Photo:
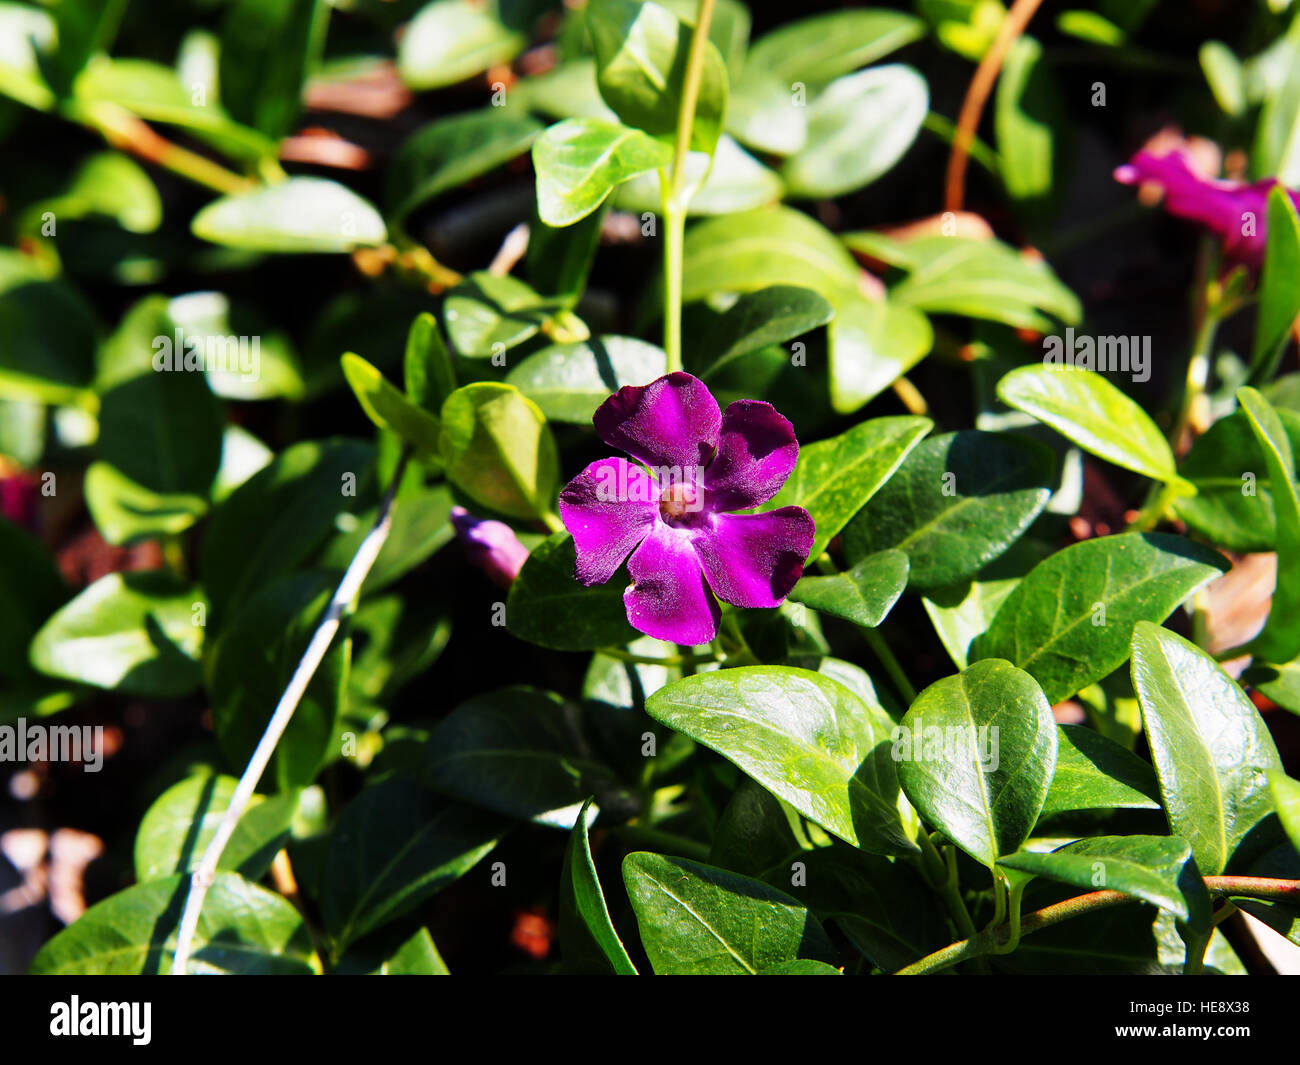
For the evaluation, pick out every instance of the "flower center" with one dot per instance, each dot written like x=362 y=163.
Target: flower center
x=680 y=500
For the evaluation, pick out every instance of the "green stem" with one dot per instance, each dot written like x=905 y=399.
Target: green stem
x=653 y=660
x=891 y=665
x=946 y=883
x=1198 y=367
x=674 y=238
x=1194 y=958
x=1013 y=917
x=1158 y=499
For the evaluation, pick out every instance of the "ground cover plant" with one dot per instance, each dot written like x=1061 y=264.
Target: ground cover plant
x=649 y=488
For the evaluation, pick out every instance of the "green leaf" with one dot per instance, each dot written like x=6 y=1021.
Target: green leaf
x=873 y=343
x=1028 y=112
x=977 y=756
x=695 y=919
x=520 y=751
x=31 y=589
x=1234 y=502
x=1276 y=151
x=251 y=665
x=268 y=49
x=1225 y=76
x=1279 y=640
x=247 y=357
x=559 y=259
x=1089 y=411
x=486 y=315
x=962 y=613
x=1211 y=749
x=451 y=40
x=1094 y=773
x=547 y=605
x=857 y=130
x=389 y=409
x=178 y=827
x=1070 y=621
x=1286 y=797
x=978 y=279
x=421 y=525
x=451 y=152
x=1156 y=869
x=392 y=847
x=834 y=478
x=587 y=937
x=299 y=215
x=641 y=57
x=106 y=185
x=957 y=502
x=138 y=633
x=580 y=160
x=243 y=929
x=499 y=450
x=730 y=180
x=863 y=595
x=47 y=334
x=802 y=967
x=1279 y=292
x=769 y=316
x=806 y=738
x=765 y=113
x=279 y=516
x=569 y=381
x=429 y=370
x=818 y=50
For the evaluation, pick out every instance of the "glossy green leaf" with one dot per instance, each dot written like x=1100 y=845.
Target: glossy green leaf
x=873 y=343
x=858 y=128
x=249 y=357
x=863 y=595
x=588 y=940
x=769 y=316
x=106 y=185
x=560 y=258
x=834 y=478
x=243 y=929
x=268 y=49
x=139 y=633
x=547 y=605
x=301 y=214
x=580 y=160
x=1029 y=116
x=569 y=381
x=729 y=181
x=977 y=756
x=962 y=613
x=451 y=152
x=1286 y=797
x=1070 y=621
x=420 y=526
x=819 y=49
x=429 y=371
x=1094 y=773
x=388 y=408
x=1279 y=640
x=957 y=502
x=766 y=113
x=641 y=56
x=1279 y=293
x=486 y=315
x=520 y=752
x=1156 y=869
x=1089 y=411
x=1211 y=749
x=180 y=824
x=499 y=450
x=695 y=919
x=392 y=847
x=251 y=665
x=806 y=738
x=451 y=40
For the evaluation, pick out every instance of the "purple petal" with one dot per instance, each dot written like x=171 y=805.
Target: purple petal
x=756 y=452
x=608 y=509
x=492 y=546
x=755 y=559
x=1221 y=206
x=670 y=422
x=668 y=598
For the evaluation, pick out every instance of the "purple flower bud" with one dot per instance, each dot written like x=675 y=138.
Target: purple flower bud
x=1236 y=212
x=674 y=514
x=492 y=546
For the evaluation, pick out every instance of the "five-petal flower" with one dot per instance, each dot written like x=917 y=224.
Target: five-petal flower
x=674 y=514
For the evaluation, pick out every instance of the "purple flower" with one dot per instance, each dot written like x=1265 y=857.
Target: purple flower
x=1233 y=210
x=492 y=546
x=700 y=464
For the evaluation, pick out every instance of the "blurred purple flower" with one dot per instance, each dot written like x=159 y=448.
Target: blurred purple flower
x=18 y=496
x=492 y=546
x=703 y=464
x=1235 y=211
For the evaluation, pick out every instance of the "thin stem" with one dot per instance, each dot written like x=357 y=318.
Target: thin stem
x=891 y=665
x=1194 y=956
x=652 y=660
x=340 y=605
x=996 y=940
x=691 y=92
x=1198 y=371
x=674 y=239
x=1013 y=917
x=946 y=883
